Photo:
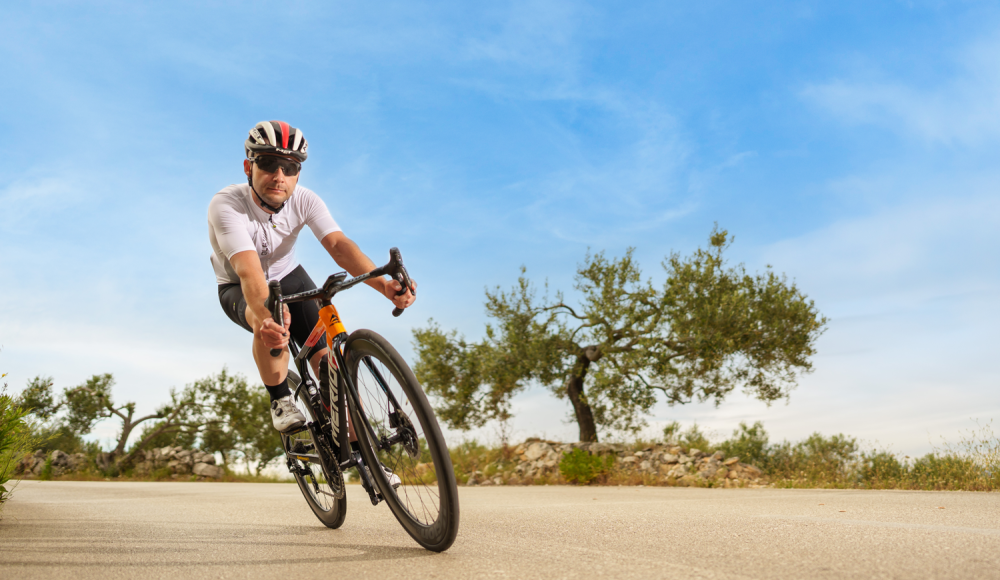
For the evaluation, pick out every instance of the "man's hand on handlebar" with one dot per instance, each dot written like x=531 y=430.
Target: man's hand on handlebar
x=273 y=335
x=392 y=288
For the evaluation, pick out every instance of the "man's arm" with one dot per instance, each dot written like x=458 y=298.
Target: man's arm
x=349 y=256
x=255 y=291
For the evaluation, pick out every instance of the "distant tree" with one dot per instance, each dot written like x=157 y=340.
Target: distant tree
x=86 y=404
x=240 y=425
x=38 y=399
x=91 y=402
x=709 y=329
x=152 y=436
x=49 y=430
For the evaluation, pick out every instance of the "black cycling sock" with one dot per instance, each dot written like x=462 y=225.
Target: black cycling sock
x=280 y=390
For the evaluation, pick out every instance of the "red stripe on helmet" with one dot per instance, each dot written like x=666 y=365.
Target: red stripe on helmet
x=284 y=133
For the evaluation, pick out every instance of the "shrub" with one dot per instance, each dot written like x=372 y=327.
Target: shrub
x=46 y=474
x=693 y=438
x=747 y=443
x=578 y=466
x=881 y=469
x=15 y=440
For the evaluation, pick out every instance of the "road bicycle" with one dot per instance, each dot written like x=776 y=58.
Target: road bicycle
x=368 y=412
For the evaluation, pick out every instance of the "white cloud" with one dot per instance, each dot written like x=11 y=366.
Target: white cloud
x=962 y=108
x=532 y=35
x=901 y=255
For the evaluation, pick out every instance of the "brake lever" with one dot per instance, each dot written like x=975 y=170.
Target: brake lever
x=400 y=275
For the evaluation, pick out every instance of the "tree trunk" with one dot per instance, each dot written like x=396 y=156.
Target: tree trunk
x=574 y=388
x=127 y=427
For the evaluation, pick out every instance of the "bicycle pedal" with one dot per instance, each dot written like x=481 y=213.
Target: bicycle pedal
x=300 y=447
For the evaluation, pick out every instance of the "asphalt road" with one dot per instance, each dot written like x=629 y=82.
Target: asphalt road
x=106 y=530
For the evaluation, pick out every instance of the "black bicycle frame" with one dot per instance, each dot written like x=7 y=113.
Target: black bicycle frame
x=323 y=431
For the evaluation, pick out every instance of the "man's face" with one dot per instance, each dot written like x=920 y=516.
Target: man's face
x=274 y=187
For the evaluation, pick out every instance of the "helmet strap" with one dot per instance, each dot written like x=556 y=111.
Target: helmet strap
x=259 y=198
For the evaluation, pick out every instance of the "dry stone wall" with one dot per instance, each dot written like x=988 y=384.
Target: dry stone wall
x=663 y=464
x=178 y=462
x=62 y=463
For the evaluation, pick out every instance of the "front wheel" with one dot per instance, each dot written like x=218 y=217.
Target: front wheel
x=405 y=438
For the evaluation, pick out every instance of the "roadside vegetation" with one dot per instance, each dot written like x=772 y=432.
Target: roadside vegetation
x=837 y=461
x=220 y=415
x=16 y=440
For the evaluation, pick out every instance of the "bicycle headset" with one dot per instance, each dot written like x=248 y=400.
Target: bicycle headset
x=273 y=137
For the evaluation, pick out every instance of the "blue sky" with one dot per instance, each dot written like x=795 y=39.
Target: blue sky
x=850 y=145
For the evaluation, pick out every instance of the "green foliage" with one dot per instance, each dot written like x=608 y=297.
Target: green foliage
x=15 y=439
x=56 y=435
x=470 y=456
x=837 y=461
x=37 y=398
x=161 y=474
x=817 y=459
x=237 y=419
x=88 y=403
x=671 y=431
x=709 y=329
x=220 y=413
x=46 y=474
x=747 y=443
x=60 y=422
x=92 y=401
x=882 y=466
x=693 y=438
x=578 y=466
x=155 y=434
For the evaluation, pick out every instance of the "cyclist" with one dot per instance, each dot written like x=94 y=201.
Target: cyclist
x=253 y=228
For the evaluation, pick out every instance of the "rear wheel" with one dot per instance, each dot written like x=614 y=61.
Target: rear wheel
x=407 y=441
x=314 y=482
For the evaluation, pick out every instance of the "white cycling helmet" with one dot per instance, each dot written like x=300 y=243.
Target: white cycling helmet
x=276 y=138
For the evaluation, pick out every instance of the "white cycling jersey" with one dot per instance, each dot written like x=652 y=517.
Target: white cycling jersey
x=236 y=224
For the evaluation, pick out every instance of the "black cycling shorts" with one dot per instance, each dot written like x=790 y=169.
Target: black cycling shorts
x=304 y=314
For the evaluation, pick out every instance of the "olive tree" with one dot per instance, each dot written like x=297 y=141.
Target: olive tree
x=236 y=418
x=240 y=421
x=626 y=343
x=84 y=405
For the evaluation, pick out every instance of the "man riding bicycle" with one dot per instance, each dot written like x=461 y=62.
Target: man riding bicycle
x=253 y=228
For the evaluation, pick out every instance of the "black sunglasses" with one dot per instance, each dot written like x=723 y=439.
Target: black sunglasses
x=270 y=164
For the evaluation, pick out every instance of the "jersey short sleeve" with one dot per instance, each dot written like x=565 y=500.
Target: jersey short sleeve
x=228 y=223
x=316 y=215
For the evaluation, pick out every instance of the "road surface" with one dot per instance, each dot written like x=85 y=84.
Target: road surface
x=108 y=530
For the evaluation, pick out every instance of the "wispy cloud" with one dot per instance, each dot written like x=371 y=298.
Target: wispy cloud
x=531 y=36
x=898 y=256
x=961 y=106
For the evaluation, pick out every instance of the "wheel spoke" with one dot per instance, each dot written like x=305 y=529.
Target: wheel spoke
x=418 y=492
x=404 y=438
x=304 y=454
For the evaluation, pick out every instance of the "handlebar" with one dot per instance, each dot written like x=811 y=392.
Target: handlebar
x=335 y=283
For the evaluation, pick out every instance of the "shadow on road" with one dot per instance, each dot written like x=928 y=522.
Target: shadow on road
x=70 y=543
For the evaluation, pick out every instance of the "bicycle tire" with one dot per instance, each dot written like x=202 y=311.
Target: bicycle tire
x=314 y=487
x=426 y=504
